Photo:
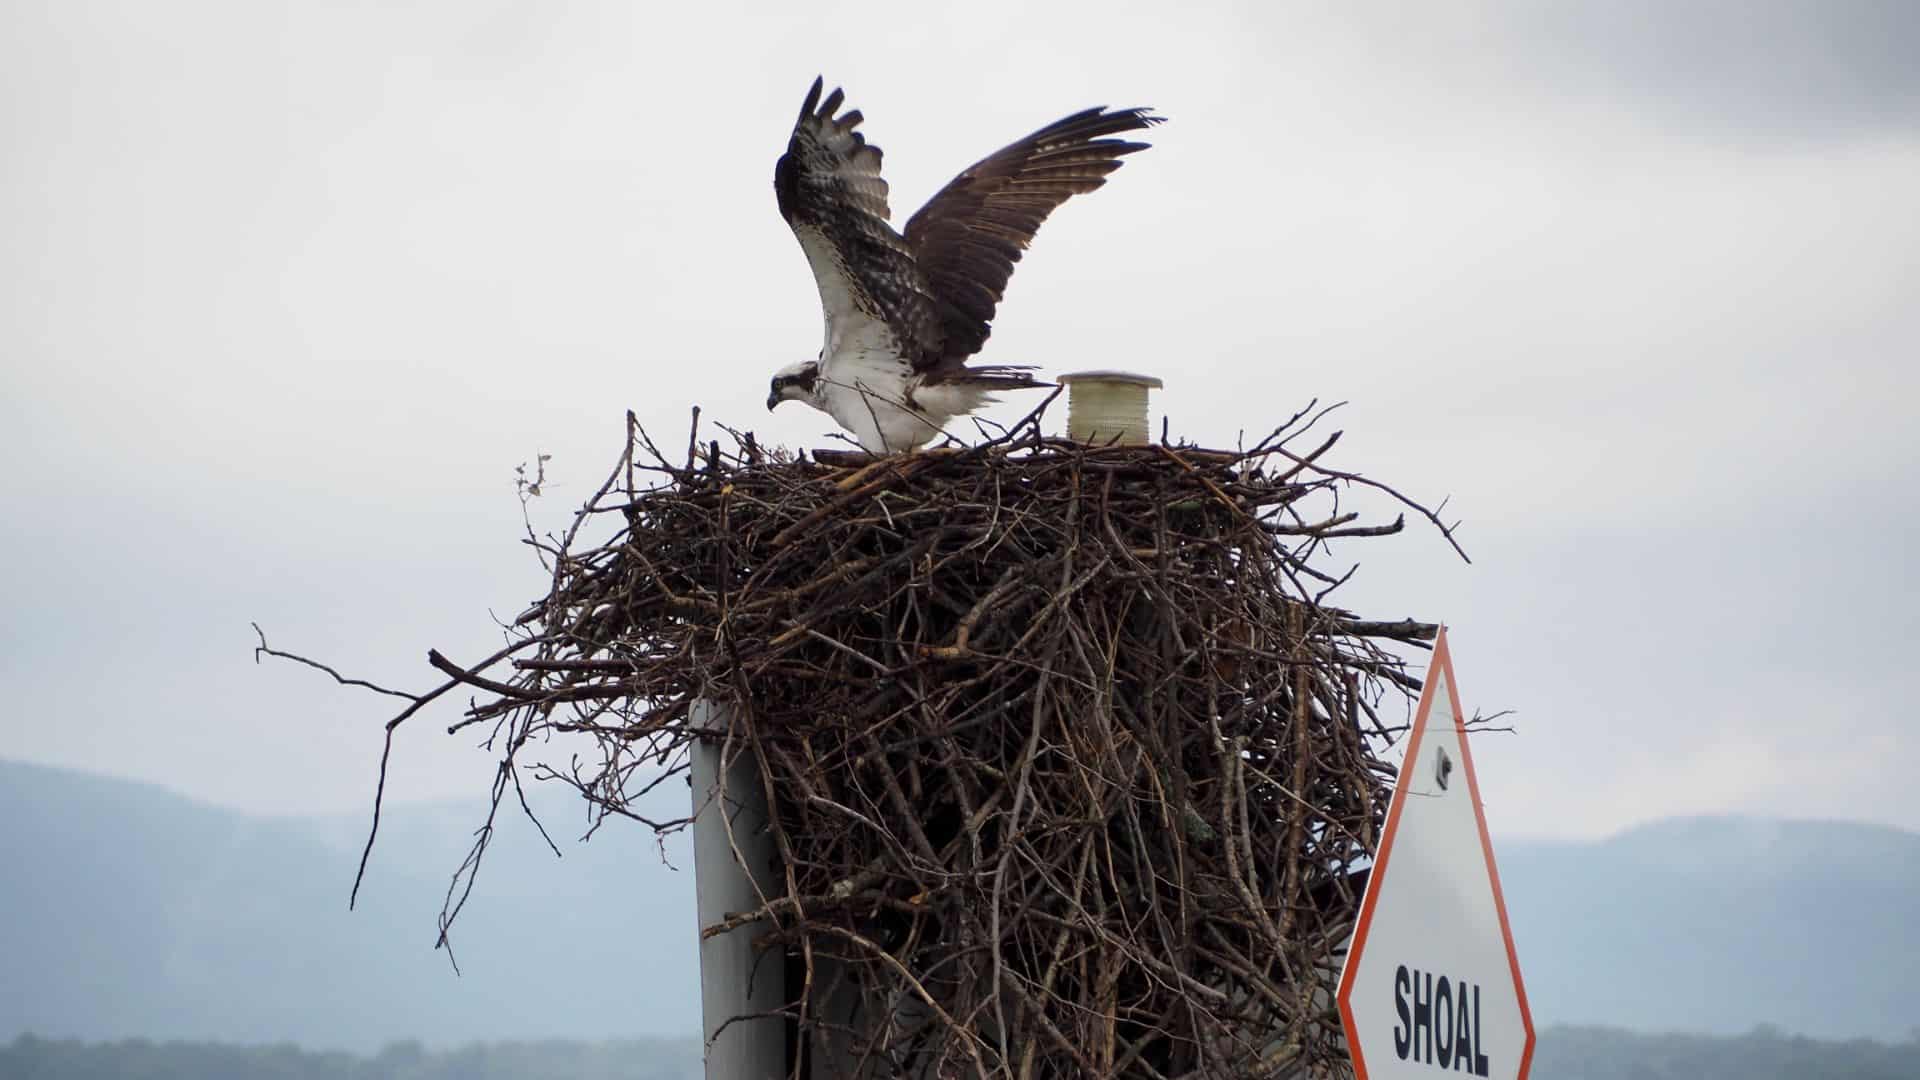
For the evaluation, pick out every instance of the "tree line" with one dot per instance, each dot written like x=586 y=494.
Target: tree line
x=1563 y=1053
x=31 y=1058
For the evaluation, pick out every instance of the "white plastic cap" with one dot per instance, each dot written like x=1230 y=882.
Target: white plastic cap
x=1108 y=408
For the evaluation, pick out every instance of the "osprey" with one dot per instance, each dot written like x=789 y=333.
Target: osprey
x=905 y=311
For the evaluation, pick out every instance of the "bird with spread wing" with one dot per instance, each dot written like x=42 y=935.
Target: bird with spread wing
x=904 y=311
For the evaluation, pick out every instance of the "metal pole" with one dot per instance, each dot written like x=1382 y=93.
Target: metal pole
x=735 y=979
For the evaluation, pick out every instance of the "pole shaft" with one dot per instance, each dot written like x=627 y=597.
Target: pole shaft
x=735 y=979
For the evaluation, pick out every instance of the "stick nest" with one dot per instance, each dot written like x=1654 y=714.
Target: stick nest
x=1069 y=760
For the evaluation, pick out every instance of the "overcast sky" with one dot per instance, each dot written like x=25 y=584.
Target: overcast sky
x=287 y=290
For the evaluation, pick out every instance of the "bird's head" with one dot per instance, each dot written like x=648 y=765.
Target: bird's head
x=793 y=383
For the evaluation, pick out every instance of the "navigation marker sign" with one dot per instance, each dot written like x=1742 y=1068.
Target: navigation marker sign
x=1431 y=983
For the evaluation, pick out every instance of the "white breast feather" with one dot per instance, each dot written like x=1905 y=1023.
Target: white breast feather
x=864 y=382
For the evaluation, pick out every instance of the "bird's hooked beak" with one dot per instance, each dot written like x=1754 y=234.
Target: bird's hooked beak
x=773 y=399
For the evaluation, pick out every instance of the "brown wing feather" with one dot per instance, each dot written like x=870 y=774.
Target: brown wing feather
x=828 y=183
x=967 y=238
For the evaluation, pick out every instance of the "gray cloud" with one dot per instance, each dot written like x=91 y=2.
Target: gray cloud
x=290 y=289
x=1758 y=68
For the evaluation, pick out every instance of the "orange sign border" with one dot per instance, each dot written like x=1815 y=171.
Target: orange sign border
x=1442 y=662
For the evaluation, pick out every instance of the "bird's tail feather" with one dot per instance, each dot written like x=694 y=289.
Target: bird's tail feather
x=996 y=377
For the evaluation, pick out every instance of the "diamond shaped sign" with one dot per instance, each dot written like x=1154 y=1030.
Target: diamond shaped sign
x=1432 y=984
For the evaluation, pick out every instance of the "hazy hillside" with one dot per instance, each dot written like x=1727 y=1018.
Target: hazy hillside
x=1716 y=924
x=129 y=911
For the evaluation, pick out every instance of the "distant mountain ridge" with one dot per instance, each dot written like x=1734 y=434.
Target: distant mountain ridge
x=1716 y=924
x=129 y=911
